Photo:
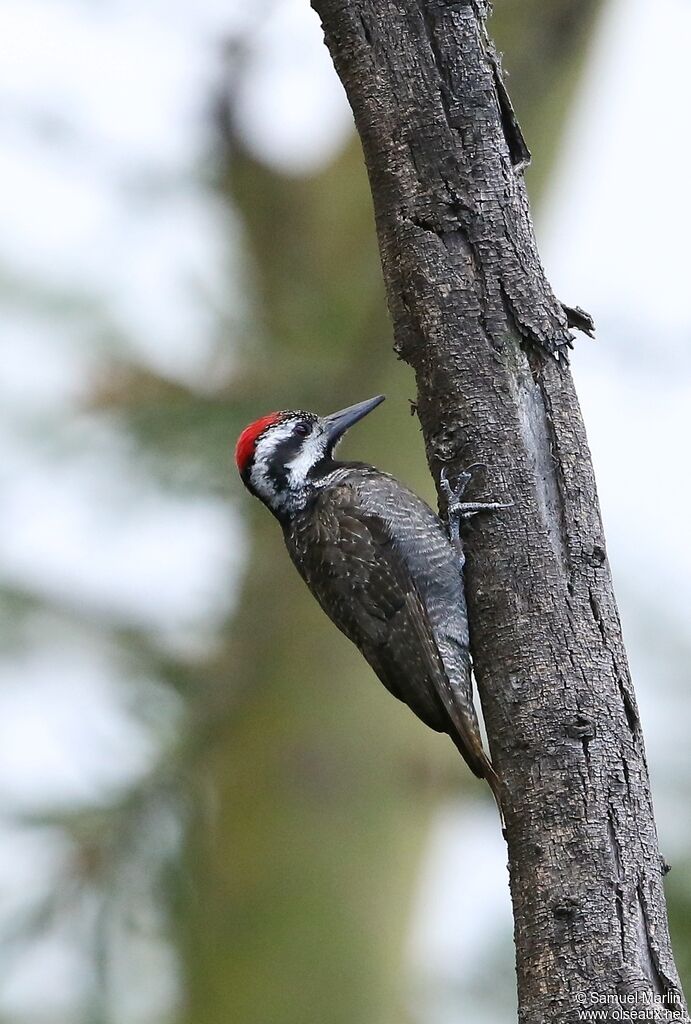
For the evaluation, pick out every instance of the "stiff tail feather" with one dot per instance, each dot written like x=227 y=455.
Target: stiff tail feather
x=482 y=767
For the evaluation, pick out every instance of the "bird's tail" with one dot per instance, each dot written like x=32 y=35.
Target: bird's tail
x=495 y=784
x=480 y=765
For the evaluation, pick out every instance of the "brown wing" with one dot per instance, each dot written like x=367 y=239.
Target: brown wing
x=349 y=558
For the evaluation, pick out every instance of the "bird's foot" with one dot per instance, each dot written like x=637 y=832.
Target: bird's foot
x=456 y=510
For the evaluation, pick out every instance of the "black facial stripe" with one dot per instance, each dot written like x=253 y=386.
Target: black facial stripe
x=282 y=454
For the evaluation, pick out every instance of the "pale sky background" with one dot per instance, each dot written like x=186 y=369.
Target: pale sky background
x=103 y=141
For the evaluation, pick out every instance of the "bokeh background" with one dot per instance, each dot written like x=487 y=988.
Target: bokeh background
x=210 y=811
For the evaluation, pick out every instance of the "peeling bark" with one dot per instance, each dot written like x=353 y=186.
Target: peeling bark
x=475 y=317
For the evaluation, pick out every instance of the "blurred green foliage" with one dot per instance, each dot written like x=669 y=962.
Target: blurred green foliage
x=305 y=792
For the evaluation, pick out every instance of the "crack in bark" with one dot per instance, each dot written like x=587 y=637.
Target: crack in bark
x=630 y=709
x=597 y=616
x=583 y=729
x=614 y=844
x=515 y=140
x=619 y=909
x=366 y=30
x=667 y=987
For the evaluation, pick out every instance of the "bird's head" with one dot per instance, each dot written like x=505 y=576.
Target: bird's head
x=285 y=456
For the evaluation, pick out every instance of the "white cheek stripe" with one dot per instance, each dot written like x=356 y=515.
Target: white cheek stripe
x=312 y=450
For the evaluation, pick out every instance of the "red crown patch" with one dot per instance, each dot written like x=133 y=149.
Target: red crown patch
x=244 y=449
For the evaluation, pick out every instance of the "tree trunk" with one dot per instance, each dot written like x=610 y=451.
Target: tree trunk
x=476 y=319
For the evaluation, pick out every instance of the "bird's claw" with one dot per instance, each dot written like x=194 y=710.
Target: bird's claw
x=454 y=493
x=457 y=509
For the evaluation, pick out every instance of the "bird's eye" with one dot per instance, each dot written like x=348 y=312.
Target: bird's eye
x=303 y=430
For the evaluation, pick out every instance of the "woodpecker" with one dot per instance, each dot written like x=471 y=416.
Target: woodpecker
x=379 y=562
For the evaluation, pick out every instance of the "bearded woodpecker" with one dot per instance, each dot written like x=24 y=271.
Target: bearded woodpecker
x=379 y=562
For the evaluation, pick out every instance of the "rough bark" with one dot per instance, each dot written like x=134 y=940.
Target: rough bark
x=475 y=317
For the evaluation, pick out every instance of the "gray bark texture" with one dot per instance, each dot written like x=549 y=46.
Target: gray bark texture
x=475 y=317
